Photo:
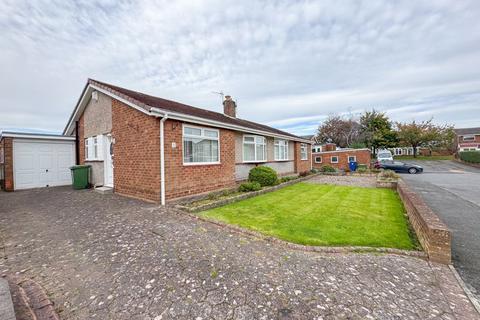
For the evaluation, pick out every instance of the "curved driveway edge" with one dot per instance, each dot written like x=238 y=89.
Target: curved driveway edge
x=109 y=257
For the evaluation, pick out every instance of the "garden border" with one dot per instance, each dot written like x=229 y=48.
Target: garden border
x=244 y=196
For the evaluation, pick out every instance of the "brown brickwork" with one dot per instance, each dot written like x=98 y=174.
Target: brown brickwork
x=362 y=157
x=183 y=180
x=302 y=165
x=136 y=157
x=432 y=233
x=7 y=145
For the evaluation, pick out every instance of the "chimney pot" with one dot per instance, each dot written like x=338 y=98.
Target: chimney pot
x=229 y=107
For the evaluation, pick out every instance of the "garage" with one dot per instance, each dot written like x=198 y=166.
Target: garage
x=35 y=160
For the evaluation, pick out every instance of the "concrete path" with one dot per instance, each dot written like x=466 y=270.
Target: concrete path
x=108 y=257
x=452 y=190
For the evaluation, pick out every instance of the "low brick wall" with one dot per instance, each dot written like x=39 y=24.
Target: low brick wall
x=432 y=233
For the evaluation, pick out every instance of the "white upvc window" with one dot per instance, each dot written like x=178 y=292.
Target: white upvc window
x=334 y=159
x=93 y=148
x=317 y=149
x=469 y=138
x=303 y=151
x=87 y=148
x=200 y=145
x=281 y=150
x=352 y=158
x=318 y=159
x=254 y=148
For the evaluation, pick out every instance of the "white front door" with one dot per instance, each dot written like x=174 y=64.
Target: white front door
x=108 y=163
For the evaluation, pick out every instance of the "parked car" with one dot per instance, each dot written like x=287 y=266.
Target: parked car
x=397 y=166
x=384 y=155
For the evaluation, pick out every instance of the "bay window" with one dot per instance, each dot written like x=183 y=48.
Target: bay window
x=303 y=151
x=281 y=149
x=200 y=145
x=254 y=149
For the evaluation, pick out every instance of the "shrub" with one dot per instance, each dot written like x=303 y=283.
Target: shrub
x=303 y=174
x=249 y=186
x=314 y=170
x=362 y=170
x=286 y=179
x=375 y=170
x=327 y=168
x=470 y=156
x=265 y=176
x=388 y=174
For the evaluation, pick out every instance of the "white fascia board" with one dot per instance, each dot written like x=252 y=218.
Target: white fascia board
x=35 y=136
x=86 y=98
x=341 y=151
x=157 y=112
x=183 y=117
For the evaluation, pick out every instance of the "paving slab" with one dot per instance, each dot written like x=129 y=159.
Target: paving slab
x=109 y=257
x=6 y=306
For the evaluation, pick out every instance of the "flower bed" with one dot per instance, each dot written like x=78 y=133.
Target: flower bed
x=218 y=199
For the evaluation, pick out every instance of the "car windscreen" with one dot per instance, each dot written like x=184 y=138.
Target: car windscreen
x=384 y=155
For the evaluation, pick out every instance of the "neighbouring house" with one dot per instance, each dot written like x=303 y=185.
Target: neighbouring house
x=403 y=151
x=329 y=154
x=32 y=160
x=156 y=149
x=467 y=139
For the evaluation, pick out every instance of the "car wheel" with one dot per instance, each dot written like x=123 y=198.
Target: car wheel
x=412 y=170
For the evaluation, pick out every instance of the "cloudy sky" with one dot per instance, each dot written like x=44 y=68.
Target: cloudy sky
x=287 y=63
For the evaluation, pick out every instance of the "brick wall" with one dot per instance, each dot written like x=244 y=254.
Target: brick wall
x=362 y=156
x=183 y=180
x=302 y=165
x=7 y=145
x=136 y=157
x=432 y=233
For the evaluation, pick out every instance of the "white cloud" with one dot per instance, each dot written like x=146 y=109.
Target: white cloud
x=287 y=63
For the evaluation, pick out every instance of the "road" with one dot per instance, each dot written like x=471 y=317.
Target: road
x=452 y=190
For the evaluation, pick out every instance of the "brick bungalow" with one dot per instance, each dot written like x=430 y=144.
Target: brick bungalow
x=156 y=149
x=328 y=154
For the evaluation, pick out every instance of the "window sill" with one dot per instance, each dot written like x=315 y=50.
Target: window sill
x=93 y=160
x=253 y=162
x=193 y=164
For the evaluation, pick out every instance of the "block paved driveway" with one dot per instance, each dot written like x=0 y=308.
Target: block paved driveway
x=109 y=257
x=452 y=190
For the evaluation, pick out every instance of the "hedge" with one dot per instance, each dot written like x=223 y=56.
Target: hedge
x=470 y=156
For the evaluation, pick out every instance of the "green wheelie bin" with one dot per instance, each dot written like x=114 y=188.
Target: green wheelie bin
x=80 y=176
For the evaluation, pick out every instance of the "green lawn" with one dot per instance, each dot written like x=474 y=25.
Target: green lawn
x=331 y=215
x=420 y=158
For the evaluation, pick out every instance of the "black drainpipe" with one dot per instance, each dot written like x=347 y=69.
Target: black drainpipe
x=77 y=145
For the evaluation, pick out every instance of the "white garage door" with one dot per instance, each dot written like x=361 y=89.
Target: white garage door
x=42 y=163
